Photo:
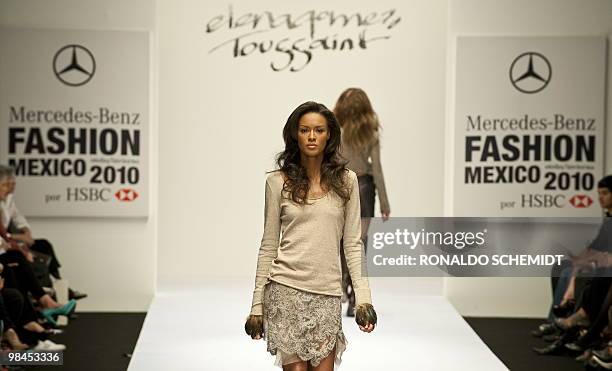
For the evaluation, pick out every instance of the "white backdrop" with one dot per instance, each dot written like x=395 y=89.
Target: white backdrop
x=221 y=120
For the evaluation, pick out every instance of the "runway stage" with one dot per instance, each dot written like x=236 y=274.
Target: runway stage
x=201 y=327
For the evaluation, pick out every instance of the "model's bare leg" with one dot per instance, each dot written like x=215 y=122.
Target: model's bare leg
x=296 y=366
x=327 y=363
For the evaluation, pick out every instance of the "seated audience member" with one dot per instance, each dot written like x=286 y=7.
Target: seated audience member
x=20 y=322
x=584 y=329
x=567 y=285
x=19 y=230
x=18 y=271
x=7 y=297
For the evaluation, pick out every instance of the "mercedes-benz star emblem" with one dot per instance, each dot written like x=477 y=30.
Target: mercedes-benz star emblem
x=530 y=72
x=74 y=65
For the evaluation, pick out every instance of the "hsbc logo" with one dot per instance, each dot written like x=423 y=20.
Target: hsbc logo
x=581 y=201
x=126 y=195
x=542 y=200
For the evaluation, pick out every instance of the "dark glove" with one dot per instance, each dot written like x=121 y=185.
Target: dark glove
x=365 y=314
x=254 y=326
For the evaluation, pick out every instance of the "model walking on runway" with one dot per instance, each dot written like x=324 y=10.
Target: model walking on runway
x=361 y=147
x=311 y=205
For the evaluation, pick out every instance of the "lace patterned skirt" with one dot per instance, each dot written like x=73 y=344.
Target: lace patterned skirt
x=302 y=326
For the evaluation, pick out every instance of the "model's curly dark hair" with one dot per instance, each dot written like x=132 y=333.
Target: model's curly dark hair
x=333 y=167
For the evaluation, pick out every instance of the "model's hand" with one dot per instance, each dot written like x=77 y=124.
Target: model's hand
x=254 y=326
x=385 y=214
x=365 y=316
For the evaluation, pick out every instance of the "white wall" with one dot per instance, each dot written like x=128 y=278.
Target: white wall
x=113 y=260
x=526 y=297
x=221 y=121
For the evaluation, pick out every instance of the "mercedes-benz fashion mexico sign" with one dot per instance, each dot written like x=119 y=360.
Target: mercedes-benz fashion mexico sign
x=74 y=65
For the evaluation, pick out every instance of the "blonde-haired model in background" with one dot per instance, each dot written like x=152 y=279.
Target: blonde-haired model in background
x=361 y=147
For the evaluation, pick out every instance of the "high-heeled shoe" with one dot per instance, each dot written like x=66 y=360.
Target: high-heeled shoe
x=76 y=295
x=575 y=320
x=585 y=356
x=605 y=365
x=555 y=348
x=65 y=310
x=604 y=354
x=551 y=338
x=544 y=329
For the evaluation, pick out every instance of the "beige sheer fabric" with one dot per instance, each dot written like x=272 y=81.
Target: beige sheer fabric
x=302 y=326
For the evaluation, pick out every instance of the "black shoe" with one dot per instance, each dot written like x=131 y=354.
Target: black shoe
x=76 y=295
x=575 y=347
x=544 y=329
x=555 y=348
x=603 y=355
x=564 y=310
x=551 y=337
x=584 y=357
x=603 y=364
x=574 y=325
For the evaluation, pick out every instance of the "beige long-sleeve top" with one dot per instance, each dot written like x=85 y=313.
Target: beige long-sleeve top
x=359 y=162
x=300 y=247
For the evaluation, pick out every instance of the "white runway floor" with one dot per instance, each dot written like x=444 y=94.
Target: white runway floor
x=201 y=327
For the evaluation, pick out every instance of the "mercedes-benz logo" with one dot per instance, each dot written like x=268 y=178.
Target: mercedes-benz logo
x=74 y=65
x=530 y=72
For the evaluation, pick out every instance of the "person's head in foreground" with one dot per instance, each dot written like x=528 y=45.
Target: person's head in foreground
x=604 y=190
x=7 y=182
